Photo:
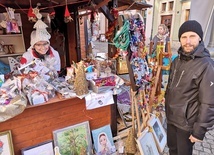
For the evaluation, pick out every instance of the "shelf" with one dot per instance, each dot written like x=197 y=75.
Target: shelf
x=11 y=35
x=10 y=55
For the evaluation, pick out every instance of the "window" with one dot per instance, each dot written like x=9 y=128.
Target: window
x=187 y=14
x=171 y=5
x=163 y=7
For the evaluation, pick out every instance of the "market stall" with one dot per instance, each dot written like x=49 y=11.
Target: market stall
x=56 y=103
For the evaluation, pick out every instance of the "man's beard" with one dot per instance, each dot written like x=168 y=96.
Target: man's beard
x=188 y=48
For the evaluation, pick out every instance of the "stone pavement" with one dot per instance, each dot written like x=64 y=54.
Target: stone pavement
x=203 y=148
x=207 y=146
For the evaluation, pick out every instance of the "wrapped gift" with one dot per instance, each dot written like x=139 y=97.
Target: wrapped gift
x=121 y=66
x=102 y=84
x=37 y=97
x=13 y=108
x=63 y=88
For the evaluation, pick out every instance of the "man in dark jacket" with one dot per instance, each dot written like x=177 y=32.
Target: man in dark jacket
x=190 y=92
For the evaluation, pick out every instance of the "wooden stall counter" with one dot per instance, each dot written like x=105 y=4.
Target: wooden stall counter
x=37 y=123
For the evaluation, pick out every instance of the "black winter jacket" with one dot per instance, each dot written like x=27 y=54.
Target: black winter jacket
x=190 y=92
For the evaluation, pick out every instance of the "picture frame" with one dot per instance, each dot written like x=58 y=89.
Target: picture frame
x=79 y=142
x=146 y=143
x=158 y=132
x=6 y=143
x=103 y=140
x=44 y=148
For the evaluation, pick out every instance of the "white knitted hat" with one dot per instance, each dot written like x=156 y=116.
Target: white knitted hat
x=40 y=34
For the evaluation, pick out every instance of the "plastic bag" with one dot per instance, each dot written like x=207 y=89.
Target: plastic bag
x=16 y=106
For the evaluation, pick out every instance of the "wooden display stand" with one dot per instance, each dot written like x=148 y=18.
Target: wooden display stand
x=144 y=115
x=37 y=123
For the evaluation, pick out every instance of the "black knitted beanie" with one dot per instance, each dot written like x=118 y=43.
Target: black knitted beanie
x=191 y=25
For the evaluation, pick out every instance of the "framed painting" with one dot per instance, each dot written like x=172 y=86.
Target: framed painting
x=146 y=143
x=6 y=144
x=45 y=148
x=103 y=140
x=158 y=132
x=75 y=139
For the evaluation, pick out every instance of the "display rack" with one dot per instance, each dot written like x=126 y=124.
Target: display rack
x=14 y=39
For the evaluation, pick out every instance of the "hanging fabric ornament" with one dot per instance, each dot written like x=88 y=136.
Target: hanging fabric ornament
x=52 y=12
x=12 y=22
x=67 y=16
x=115 y=13
x=122 y=39
x=31 y=15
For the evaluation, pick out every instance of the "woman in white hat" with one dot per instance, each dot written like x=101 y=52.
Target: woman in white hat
x=40 y=46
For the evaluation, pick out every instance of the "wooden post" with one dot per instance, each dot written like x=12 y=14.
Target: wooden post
x=154 y=87
x=151 y=47
x=133 y=108
x=160 y=51
x=114 y=116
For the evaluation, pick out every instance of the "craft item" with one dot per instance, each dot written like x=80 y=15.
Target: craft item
x=80 y=82
x=67 y=16
x=38 y=97
x=51 y=91
x=6 y=50
x=56 y=150
x=106 y=81
x=121 y=65
x=130 y=144
x=121 y=40
x=15 y=107
x=102 y=84
x=64 y=88
x=31 y=15
x=108 y=71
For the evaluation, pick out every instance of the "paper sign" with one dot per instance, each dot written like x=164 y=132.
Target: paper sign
x=94 y=100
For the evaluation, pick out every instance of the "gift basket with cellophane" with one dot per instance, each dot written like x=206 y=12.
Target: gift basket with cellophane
x=12 y=99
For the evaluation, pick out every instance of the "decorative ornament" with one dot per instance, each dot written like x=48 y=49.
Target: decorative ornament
x=130 y=144
x=10 y=12
x=80 y=82
x=31 y=15
x=40 y=26
x=115 y=13
x=56 y=150
x=11 y=22
x=122 y=39
x=67 y=16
